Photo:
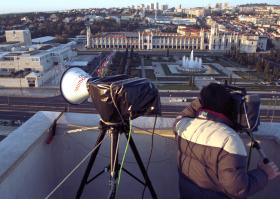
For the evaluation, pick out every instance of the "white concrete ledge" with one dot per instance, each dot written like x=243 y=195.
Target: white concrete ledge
x=17 y=144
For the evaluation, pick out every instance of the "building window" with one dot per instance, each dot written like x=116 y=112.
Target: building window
x=31 y=81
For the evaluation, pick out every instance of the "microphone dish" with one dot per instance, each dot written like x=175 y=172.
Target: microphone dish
x=73 y=85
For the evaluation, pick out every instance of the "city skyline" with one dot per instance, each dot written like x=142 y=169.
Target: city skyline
x=17 y=6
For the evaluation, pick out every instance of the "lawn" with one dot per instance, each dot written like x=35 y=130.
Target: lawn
x=250 y=75
x=166 y=69
x=147 y=62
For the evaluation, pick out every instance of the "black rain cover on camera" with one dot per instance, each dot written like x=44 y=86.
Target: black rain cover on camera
x=246 y=112
x=133 y=97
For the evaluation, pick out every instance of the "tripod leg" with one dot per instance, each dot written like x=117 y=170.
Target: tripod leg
x=141 y=166
x=114 y=164
x=90 y=164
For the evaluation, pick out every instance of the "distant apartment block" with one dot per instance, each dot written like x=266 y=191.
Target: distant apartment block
x=199 y=12
x=265 y=21
x=185 y=39
x=164 y=7
x=152 y=6
x=21 y=36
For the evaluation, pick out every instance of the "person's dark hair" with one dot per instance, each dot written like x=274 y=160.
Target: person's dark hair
x=216 y=98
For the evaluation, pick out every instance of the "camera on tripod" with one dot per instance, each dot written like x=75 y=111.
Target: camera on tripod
x=118 y=99
x=245 y=109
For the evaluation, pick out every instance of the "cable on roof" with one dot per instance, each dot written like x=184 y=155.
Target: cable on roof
x=124 y=155
x=150 y=156
x=150 y=132
x=73 y=170
x=126 y=161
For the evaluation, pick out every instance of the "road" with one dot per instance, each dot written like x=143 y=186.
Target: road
x=22 y=108
x=196 y=93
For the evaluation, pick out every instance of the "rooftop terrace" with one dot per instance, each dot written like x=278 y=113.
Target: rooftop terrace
x=31 y=168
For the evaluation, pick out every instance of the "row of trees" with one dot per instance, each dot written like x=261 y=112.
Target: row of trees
x=124 y=63
x=267 y=65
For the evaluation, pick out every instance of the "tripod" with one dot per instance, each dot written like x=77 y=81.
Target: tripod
x=114 y=166
x=256 y=145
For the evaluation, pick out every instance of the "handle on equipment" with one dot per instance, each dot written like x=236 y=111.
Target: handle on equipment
x=262 y=154
x=265 y=160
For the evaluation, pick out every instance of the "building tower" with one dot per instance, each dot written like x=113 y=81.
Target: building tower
x=88 y=45
x=214 y=35
x=201 y=34
x=214 y=29
x=156 y=10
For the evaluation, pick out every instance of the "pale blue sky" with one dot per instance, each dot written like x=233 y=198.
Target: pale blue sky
x=7 y=6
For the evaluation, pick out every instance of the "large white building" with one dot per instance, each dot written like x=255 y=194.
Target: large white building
x=35 y=65
x=185 y=39
x=224 y=41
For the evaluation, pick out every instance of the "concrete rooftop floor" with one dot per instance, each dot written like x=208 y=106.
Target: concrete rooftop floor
x=31 y=168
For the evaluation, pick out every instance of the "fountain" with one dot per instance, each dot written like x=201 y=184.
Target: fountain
x=191 y=65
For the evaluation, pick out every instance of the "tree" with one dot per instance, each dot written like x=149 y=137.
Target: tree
x=267 y=75
x=167 y=52
x=191 y=81
x=230 y=79
x=276 y=72
x=259 y=67
x=131 y=52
